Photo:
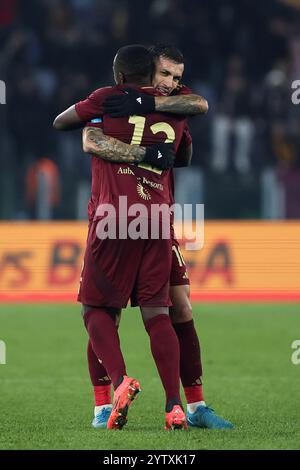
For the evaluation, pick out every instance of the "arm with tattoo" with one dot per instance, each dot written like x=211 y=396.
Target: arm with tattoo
x=108 y=148
x=135 y=102
x=188 y=105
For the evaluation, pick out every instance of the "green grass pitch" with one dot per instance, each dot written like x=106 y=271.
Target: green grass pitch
x=46 y=399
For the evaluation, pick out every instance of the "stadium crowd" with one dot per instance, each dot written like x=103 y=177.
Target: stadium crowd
x=241 y=56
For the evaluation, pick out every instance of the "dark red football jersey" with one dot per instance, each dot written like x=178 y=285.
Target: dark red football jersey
x=140 y=183
x=186 y=142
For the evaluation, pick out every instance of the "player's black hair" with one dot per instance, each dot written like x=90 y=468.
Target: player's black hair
x=168 y=51
x=135 y=63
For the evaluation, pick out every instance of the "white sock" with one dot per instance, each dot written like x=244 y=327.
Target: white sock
x=98 y=409
x=191 y=407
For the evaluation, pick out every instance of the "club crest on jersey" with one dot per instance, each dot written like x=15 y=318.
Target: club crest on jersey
x=139 y=100
x=142 y=192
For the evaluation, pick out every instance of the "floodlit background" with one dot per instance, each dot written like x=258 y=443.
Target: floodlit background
x=243 y=56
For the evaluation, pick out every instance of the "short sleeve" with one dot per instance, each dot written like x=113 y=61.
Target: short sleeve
x=91 y=107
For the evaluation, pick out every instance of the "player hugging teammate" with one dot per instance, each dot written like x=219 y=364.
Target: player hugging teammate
x=136 y=133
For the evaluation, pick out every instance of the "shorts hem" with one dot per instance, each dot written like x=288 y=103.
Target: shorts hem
x=180 y=283
x=94 y=303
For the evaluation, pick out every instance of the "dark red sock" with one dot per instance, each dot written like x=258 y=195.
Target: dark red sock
x=105 y=342
x=98 y=373
x=99 y=378
x=102 y=395
x=193 y=393
x=190 y=359
x=165 y=351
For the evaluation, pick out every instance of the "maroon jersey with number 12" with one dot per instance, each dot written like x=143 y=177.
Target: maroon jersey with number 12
x=140 y=183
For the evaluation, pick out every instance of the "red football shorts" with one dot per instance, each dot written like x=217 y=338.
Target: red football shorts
x=116 y=270
x=179 y=275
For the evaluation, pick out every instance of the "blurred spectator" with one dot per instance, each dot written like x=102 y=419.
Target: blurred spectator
x=233 y=121
x=42 y=189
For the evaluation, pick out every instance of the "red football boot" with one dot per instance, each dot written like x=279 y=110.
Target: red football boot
x=176 y=419
x=123 y=397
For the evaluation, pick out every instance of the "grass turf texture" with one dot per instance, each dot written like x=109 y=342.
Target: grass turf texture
x=47 y=403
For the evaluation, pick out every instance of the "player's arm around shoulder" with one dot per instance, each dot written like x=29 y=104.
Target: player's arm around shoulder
x=182 y=101
x=81 y=112
x=188 y=105
x=68 y=120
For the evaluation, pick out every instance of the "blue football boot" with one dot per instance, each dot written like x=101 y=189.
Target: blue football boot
x=100 y=420
x=205 y=417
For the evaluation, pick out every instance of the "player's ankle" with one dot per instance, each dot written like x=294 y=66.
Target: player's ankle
x=191 y=407
x=99 y=408
x=171 y=403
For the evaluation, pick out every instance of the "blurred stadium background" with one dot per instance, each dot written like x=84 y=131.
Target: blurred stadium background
x=243 y=57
